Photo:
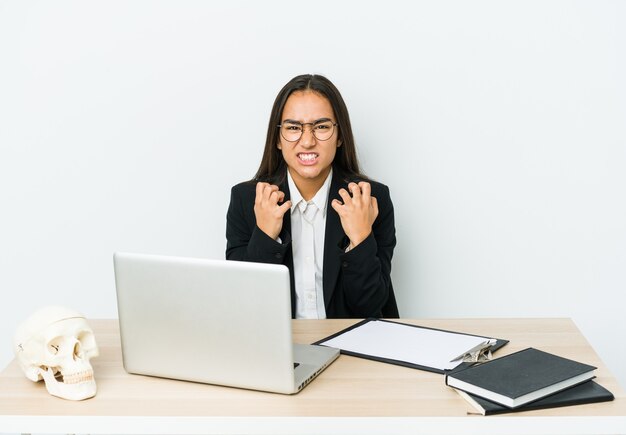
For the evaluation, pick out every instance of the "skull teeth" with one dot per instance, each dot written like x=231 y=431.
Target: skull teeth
x=77 y=378
x=72 y=386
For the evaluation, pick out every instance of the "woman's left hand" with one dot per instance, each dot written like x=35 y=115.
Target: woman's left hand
x=357 y=212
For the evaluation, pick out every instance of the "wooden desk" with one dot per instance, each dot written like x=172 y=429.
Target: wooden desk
x=352 y=396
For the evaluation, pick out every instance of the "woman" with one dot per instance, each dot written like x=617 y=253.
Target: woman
x=309 y=207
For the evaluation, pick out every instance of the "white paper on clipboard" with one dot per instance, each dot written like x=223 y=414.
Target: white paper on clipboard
x=402 y=342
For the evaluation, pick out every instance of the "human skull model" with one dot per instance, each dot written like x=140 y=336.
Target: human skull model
x=55 y=344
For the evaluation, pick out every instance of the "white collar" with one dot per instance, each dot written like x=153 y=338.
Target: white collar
x=320 y=199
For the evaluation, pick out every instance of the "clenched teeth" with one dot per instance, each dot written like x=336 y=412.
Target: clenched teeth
x=307 y=156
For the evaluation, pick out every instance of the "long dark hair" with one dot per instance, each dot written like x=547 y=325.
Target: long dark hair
x=273 y=168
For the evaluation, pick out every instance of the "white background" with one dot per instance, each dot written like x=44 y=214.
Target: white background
x=498 y=126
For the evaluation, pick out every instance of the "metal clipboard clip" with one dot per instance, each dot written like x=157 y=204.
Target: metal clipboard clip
x=479 y=353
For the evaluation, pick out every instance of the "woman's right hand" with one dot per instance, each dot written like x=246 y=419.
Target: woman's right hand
x=269 y=215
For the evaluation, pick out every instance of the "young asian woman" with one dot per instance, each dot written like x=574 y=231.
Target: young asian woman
x=310 y=208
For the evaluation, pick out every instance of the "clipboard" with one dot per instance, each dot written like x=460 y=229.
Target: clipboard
x=398 y=343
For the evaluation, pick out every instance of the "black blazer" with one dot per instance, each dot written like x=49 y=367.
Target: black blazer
x=357 y=284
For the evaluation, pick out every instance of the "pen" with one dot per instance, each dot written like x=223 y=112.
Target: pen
x=480 y=346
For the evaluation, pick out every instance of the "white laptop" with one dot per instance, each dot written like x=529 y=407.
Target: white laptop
x=212 y=321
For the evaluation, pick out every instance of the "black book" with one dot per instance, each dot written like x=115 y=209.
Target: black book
x=587 y=392
x=521 y=377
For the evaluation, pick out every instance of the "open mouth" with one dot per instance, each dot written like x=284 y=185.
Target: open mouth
x=308 y=158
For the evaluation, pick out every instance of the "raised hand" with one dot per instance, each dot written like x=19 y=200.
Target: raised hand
x=357 y=212
x=269 y=215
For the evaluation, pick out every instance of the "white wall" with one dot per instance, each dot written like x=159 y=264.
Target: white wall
x=499 y=127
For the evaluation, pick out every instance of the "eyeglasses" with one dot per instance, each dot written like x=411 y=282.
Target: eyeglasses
x=292 y=131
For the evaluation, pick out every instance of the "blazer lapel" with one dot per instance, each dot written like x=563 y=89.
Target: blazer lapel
x=287 y=216
x=285 y=234
x=334 y=239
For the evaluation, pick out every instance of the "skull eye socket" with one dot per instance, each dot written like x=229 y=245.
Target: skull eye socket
x=78 y=353
x=55 y=346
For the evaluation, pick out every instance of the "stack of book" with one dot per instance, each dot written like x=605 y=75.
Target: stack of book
x=525 y=380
